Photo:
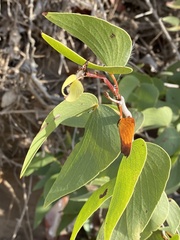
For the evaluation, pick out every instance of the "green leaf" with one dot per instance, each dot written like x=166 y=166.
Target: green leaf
x=47 y=186
x=174 y=109
x=93 y=203
x=169 y=140
x=175 y=237
x=156 y=236
x=39 y=161
x=139 y=119
x=138 y=116
x=174 y=29
x=73 y=56
x=158 y=217
x=128 y=174
x=79 y=120
x=69 y=214
x=146 y=196
x=172 y=96
x=174 y=180
x=174 y=4
x=51 y=171
x=111 y=44
x=159 y=84
x=127 y=85
x=173 y=218
x=146 y=96
x=99 y=147
x=143 y=78
x=157 y=117
x=111 y=171
x=82 y=198
x=40 y=212
x=60 y=113
x=68 y=82
x=171 y=20
x=75 y=91
x=175 y=73
x=174 y=22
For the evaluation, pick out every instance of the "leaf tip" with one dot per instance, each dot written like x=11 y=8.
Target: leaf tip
x=21 y=173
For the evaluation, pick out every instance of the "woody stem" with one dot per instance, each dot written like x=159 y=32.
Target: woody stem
x=117 y=94
x=106 y=81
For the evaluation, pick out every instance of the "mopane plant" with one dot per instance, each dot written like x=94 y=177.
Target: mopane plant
x=135 y=172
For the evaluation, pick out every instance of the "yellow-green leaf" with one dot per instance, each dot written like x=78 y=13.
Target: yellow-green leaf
x=73 y=56
x=129 y=171
x=67 y=82
x=75 y=91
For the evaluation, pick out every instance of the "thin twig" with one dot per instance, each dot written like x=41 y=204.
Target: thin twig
x=10 y=189
x=27 y=210
x=33 y=91
x=4 y=112
x=26 y=197
x=172 y=44
x=99 y=90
